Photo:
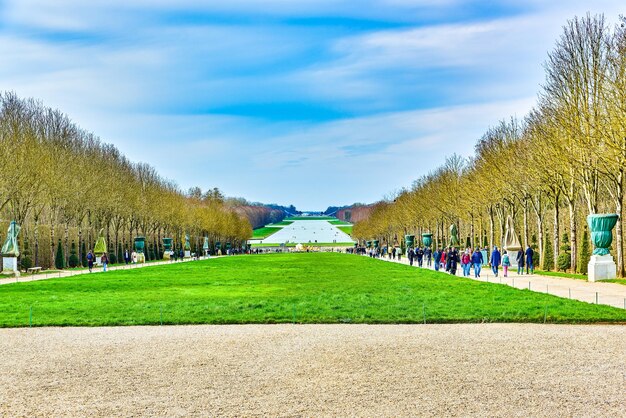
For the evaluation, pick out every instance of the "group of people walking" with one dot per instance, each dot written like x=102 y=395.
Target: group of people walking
x=449 y=258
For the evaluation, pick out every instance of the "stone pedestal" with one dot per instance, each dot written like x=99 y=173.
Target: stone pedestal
x=187 y=254
x=601 y=267
x=141 y=258
x=166 y=255
x=512 y=257
x=9 y=265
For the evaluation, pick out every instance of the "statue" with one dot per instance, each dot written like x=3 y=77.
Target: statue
x=101 y=244
x=10 y=248
x=187 y=245
x=454 y=235
x=511 y=242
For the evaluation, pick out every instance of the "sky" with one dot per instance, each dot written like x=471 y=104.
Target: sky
x=312 y=103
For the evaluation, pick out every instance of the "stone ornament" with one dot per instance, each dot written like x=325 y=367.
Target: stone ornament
x=10 y=248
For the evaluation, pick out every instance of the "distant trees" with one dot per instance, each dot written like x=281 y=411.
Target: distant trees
x=63 y=185
x=564 y=160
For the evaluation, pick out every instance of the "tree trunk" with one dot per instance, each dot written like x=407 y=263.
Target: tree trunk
x=619 y=239
x=66 y=238
x=52 y=252
x=472 y=232
x=540 y=234
x=80 y=247
x=526 y=242
x=555 y=237
x=572 y=233
x=491 y=228
x=36 y=242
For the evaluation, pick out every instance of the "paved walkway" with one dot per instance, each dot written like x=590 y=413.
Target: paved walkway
x=611 y=294
x=69 y=273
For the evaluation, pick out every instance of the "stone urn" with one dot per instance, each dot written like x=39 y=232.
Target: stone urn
x=601 y=235
x=375 y=243
x=167 y=244
x=140 y=244
x=409 y=241
x=427 y=239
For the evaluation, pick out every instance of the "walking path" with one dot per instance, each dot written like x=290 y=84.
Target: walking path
x=69 y=273
x=611 y=294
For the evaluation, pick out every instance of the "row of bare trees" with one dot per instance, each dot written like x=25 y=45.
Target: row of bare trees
x=60 y=182
x=562 y=161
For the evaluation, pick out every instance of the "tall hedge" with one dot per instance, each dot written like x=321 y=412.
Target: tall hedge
x=585 y=253
x=73 y=260
x=548 y=255
x=59 y=260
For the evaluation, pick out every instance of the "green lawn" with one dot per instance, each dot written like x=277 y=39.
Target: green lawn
x=262 y=233
x=338 y=222
x=309 y=218
x=305 y=288
x=346 y=229
x=281 y=223
x=561 y=274
x=618 y=281
x=312 y=244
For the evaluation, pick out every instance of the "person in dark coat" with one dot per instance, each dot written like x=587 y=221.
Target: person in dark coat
x=437 y=257
x=520 y=261
x=496 y=259
x=529 y=259
x=420 y=256
x=126 y=256
x=90 y=258
x=428 y=254
x=410 y=254
x=452 y=261
x=477 y=261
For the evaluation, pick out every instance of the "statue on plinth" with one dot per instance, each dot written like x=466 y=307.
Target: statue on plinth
x=10 y=248
x=454 y=236
x=511 y=241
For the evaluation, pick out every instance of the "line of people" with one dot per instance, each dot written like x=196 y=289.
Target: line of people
x=448 y=259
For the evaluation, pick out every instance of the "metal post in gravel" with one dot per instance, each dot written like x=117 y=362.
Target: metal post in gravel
x=545 y=314
x=570 y=292
x=513 y=284
x=529 y=285
x=596 y=298
x=547 y=289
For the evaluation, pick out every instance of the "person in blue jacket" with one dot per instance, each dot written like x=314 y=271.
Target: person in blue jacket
x=477 y=261
x=529 y=259
x=437 y=256
x=495 y=261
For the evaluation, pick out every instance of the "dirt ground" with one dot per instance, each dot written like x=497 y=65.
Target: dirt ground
x=314 y=370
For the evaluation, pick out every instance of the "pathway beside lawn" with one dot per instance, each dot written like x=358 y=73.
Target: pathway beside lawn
x=611 y=294
x=69 y=273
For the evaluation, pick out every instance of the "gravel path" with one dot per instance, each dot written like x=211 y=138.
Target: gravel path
x=315 y=370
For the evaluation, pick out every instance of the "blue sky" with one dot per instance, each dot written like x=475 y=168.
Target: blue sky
x=314 y=103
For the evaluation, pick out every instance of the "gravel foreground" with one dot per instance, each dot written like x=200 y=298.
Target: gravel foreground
x=315 y=370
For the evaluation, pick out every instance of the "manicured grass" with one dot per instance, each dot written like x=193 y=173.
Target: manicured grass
x=316 y=244
x=309 y=218
x=338 y=222
x=281 y=223
x=561 y=274
x=346 y=229
x=618 y=281
x=305 y=288
x=262 y=233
